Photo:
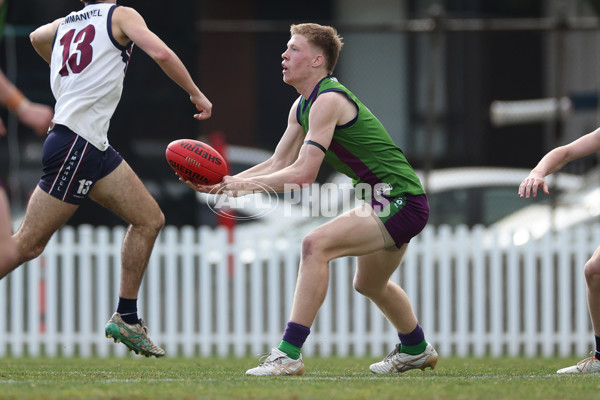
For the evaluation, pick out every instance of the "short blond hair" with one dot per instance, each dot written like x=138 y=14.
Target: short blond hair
x=324 y=37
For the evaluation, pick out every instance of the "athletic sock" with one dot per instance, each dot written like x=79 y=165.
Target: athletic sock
x=292 y=351
x=597 y=351
x=414 y=350
x=293 y=339
x=128 y=310
x=413 y=342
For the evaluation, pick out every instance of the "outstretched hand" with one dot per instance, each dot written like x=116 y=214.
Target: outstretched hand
x=229 y=186
x=211 y=189
x=37 y=116
x=530 y=185
x=203 y=105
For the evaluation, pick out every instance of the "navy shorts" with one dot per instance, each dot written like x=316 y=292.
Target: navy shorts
x=72 y=165
x=403 y=217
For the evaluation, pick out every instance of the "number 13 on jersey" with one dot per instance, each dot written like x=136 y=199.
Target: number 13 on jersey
x=82 y=53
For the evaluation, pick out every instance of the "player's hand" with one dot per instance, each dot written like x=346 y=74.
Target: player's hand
x=237 y=187
x=211 y=189
x=37 y=116
x=203 y=105
x=530 y=185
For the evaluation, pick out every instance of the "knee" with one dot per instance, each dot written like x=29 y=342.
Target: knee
x=153 y=223
x=27 y=253
x=28 y=244
x=312 y=247
x=364 y=288
x=592 y=271
x=159 y=222
x=8 y=249
x=360 y=287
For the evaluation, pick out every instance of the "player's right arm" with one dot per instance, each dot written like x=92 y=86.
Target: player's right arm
x=129 y=26
x=286 y=151
x=556 y=159
x=43 y=38
x=285 y=154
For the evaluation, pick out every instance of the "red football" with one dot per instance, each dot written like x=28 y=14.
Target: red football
x=196 y=161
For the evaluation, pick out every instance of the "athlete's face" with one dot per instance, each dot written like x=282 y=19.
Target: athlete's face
x=298 y=59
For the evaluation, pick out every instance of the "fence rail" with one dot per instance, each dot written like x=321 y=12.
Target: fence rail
x=473 y=291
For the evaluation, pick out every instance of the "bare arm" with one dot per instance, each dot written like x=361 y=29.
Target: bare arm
x=555 y=160
x=36 y=116
x=329 y=110
x=128 y=25
x=285 y=154
x=43 y=38
x=286 y=151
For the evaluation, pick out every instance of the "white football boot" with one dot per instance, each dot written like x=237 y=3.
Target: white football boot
x=278 y=363
x=590 y=364
x=397 y=362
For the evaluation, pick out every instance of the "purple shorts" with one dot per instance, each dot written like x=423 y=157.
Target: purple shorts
x=72 y=165
x=403 y=217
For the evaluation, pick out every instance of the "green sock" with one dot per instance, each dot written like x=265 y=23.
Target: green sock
x=292 y=351
x=414 y=350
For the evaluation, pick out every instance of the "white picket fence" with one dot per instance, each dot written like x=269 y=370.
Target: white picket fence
x=473 y=292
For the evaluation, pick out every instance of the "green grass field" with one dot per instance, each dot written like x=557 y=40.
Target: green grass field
x=326 y=378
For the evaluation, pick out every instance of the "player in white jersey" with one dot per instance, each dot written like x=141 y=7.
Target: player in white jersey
x=89 y=74
x=88 y=52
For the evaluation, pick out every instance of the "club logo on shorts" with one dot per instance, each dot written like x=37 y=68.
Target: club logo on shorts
x=383 y=189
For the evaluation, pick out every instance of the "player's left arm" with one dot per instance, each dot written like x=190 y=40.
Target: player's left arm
x=326 y=112
x=42 y=39
x=36 y=116
x=556 y=159
x=129 y=26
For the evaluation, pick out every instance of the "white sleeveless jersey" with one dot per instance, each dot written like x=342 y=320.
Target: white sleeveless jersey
x=86 y=72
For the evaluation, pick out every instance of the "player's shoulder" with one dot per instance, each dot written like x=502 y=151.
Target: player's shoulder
x=334 y=105
x=125 y=12
x=296 y=102
x=330 y=98
x=123 y=19
x=54 y=24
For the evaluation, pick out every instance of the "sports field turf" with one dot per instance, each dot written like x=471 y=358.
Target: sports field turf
x=326 y=378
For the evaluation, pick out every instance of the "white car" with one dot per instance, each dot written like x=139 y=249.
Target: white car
x=463 y=195
x=482 y=195
x=565 y=207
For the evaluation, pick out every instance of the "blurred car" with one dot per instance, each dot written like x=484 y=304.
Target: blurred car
x=560 y=210
x=457 y=196
x=482 y=195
